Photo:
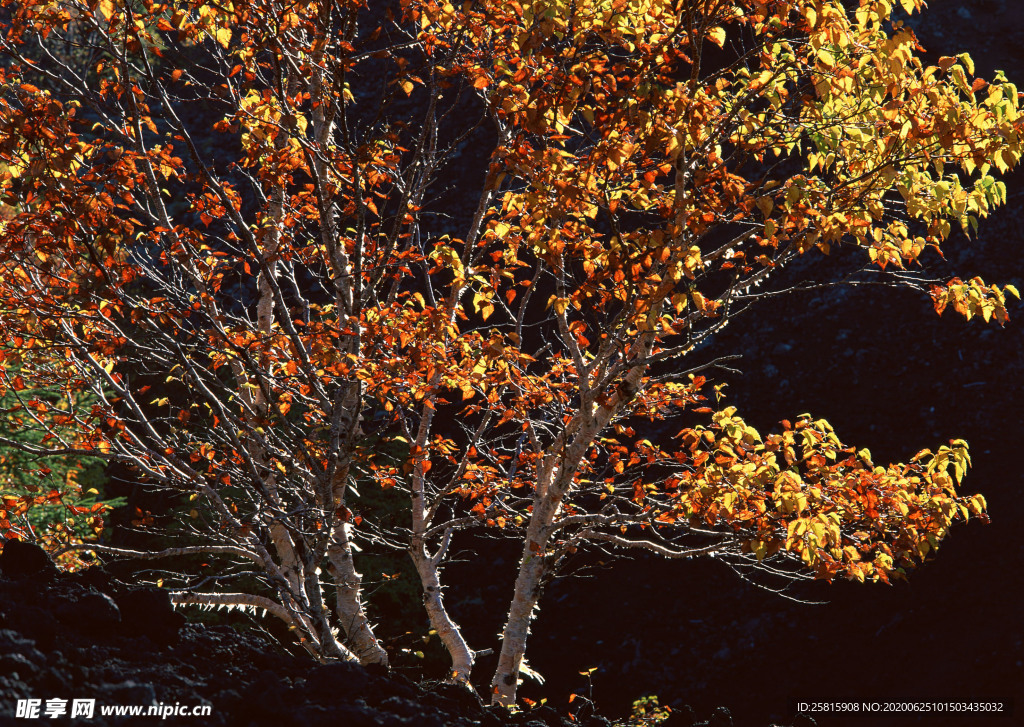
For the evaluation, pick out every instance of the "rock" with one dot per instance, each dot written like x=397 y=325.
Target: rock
x=262 y=698
x=459 y=697
x=88 y=635
x=401 y=707
x=17 y=665
x=546 y=716
x=491 y=717
x=89 y=610
x=148 y=611
x=20 y=560
x=12 y=642
x=42 y=626
x=341 y=679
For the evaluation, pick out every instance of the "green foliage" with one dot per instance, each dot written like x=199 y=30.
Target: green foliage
x=54 y=499
x=647 y=711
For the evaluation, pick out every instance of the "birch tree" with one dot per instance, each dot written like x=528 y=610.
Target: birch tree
x=241 y=277
x=470 y=255
x=665 y=163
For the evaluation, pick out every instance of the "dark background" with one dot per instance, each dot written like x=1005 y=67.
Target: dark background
x=892 y=376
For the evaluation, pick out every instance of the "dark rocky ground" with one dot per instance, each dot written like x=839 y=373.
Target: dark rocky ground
x=89 y=636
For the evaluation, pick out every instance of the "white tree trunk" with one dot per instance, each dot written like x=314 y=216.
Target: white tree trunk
x=524 y=603
x=348 y=582
x=555 y=477
x=449 y=633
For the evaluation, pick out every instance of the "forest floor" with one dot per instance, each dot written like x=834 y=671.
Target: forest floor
x=87 y=636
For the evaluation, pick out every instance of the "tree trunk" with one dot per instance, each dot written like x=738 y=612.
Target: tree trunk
x=554 y=480
x=532 y=568
x=347 y=580
x=433 y=601
x=349 y=608
x=427 y=566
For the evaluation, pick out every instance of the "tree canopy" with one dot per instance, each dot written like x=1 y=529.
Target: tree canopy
x=465 y=259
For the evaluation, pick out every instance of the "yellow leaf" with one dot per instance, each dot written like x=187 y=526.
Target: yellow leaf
x=968 y=62
x=407 y=86
x=717 y=36
x=224 y=36
x=960 y=78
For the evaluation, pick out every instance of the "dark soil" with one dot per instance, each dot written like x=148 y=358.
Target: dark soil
x=89 y=636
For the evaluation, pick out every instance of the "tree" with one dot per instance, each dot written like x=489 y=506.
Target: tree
x=249 y=203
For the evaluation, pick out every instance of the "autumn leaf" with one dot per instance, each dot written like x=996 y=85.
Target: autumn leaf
x=223 y=36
